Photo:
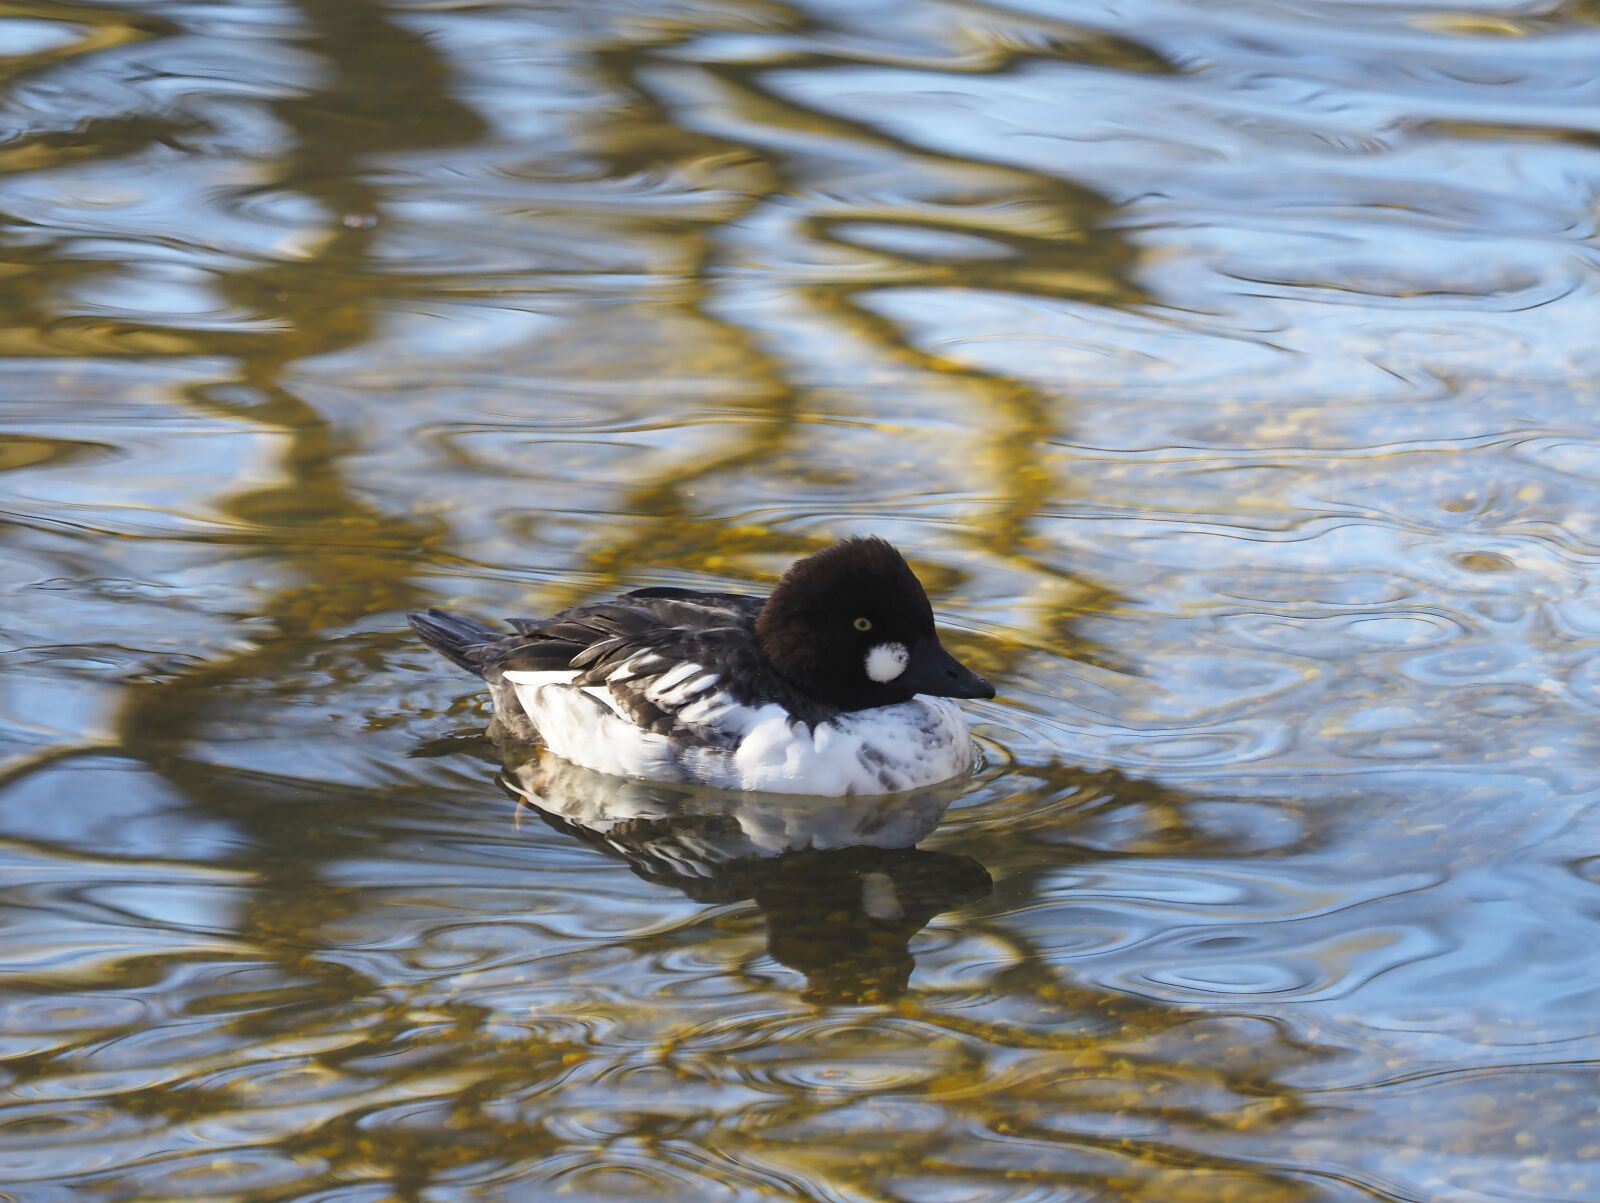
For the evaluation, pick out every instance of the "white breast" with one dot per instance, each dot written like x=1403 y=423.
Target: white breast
x=881 y=751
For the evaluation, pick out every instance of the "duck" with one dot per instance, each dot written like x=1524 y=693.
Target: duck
x=836 y=684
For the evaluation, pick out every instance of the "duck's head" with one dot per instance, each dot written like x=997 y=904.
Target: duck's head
x=851 y=627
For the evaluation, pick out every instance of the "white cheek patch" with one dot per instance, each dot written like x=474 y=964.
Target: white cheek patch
x=887 y=661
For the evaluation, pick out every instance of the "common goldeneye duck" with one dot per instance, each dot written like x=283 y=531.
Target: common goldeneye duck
x=836 y=684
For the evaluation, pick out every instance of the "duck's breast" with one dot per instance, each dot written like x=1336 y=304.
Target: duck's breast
x=880 y=751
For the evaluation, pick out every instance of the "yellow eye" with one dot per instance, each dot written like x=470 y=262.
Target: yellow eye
x=863 y=624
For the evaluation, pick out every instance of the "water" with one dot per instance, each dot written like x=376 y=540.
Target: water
x=1227 y=370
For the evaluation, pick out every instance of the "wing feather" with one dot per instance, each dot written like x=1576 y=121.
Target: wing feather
x=673 y=661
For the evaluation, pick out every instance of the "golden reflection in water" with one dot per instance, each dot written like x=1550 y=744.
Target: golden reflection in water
x=1224 y=373
x=839 y=881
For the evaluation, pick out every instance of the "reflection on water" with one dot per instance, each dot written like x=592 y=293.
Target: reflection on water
x=1228 y=374
x=839 y=881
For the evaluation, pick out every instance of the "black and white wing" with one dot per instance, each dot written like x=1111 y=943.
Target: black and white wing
x=672 y=662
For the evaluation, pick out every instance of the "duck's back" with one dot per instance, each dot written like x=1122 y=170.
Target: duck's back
x=552 y=644
x=667 y=664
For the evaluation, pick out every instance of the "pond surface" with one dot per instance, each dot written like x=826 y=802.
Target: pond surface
x=1228 y=371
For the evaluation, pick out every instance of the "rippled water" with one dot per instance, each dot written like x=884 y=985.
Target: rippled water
x=1228 y=370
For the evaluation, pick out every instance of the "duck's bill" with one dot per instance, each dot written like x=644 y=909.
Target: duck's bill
x=935 y=672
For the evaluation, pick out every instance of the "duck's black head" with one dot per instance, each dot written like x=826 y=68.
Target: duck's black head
x=851 y=627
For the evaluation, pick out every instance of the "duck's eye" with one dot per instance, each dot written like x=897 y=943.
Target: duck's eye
x=863 y=624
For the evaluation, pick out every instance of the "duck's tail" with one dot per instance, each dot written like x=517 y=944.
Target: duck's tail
x=459 y=640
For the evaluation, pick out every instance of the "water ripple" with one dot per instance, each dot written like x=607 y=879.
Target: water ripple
x=1228 y=373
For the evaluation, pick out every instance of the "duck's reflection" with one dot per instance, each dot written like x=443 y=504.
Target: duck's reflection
x=840 y=881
